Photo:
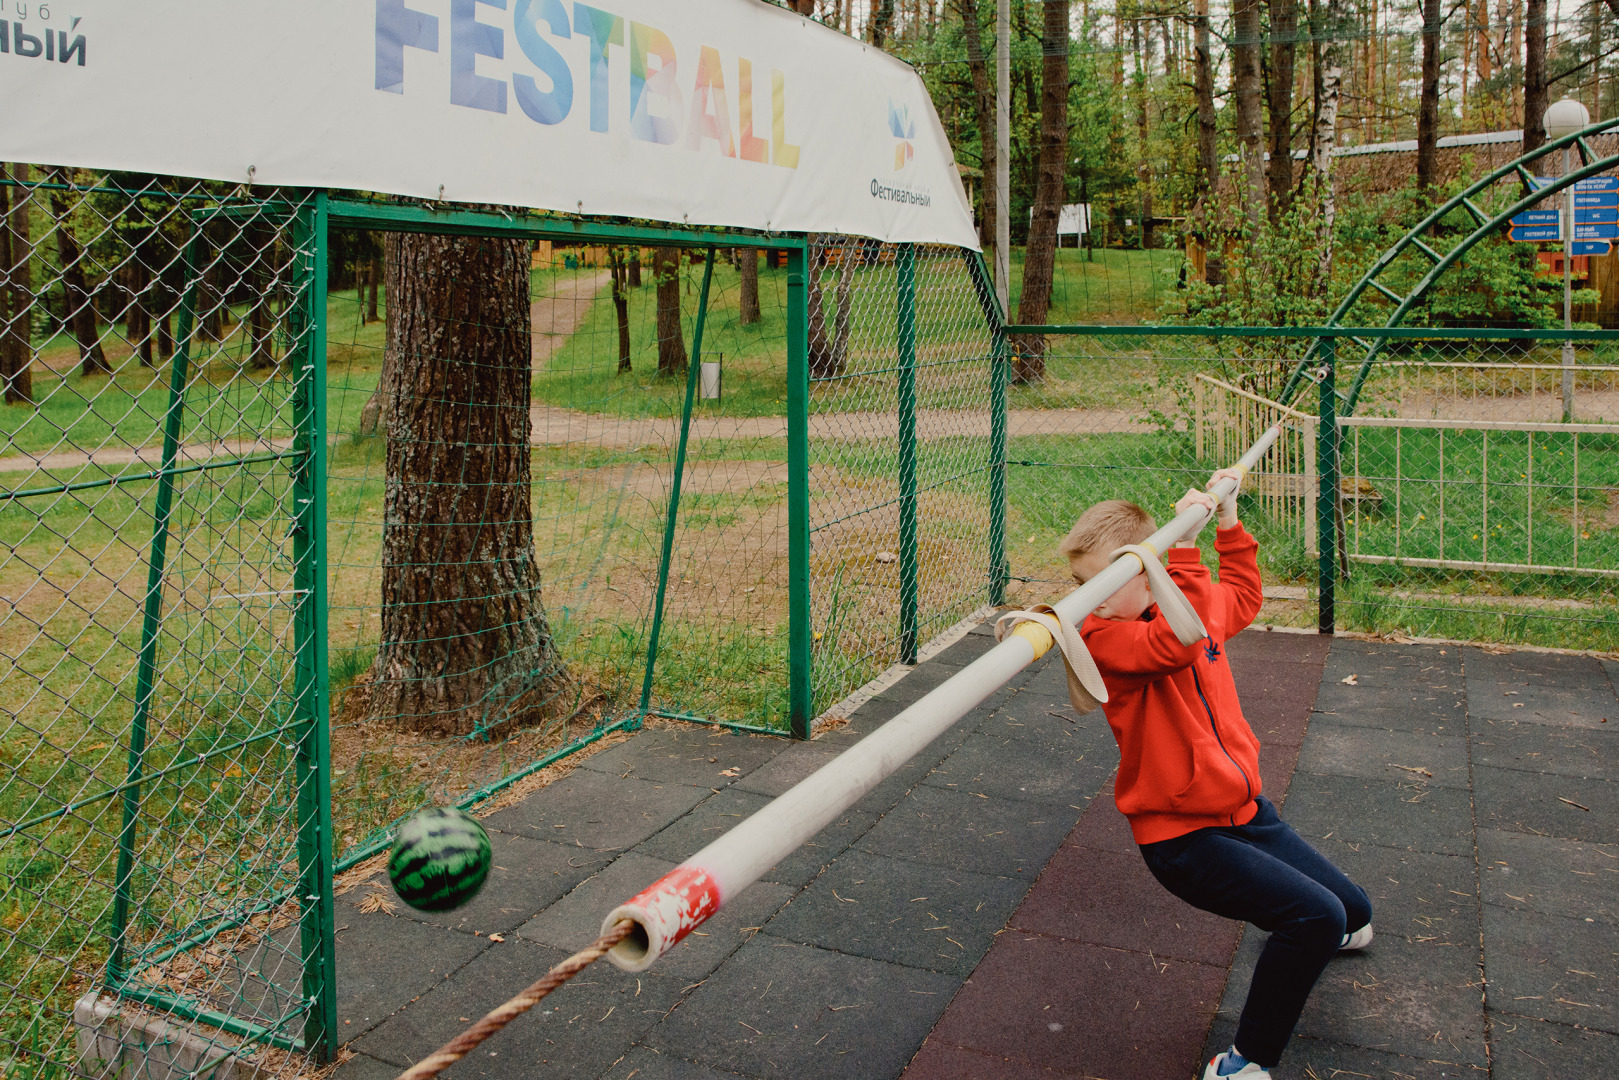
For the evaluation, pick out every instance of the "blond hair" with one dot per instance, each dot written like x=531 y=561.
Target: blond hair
x=1107 y=525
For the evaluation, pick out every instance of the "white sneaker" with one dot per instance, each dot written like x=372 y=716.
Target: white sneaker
x=1358 y=940
x=1250 y=1071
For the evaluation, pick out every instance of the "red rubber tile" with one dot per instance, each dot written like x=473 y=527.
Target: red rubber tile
x=940 y=1061
x=1272 y=647
x=1110 y=898
x=1084 y=1009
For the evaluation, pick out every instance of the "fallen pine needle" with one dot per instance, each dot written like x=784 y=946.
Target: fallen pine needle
x=1572 y=803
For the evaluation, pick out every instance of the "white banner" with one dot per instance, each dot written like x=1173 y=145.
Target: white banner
x=706 y=112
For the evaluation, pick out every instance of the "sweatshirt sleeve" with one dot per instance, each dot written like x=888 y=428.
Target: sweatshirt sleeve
x=1229 y=605
x=1131 y=653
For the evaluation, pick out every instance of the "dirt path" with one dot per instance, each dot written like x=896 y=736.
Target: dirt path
x=557 y=316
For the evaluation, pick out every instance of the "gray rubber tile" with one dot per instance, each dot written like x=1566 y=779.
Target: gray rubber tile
x=1552 y=968
x=918 y=682
x=645 y=1063
x=383 y=962
x=579 y=1031
x=901 y=911
x=366 y=1067
x=1431 y=665
x=780 y=1009
x=1540 y=748
x=722 y=812
x=597 y=811
x=1539 y=703
x=1377 y=754
x=1414 y=894
x=963 y=830
x=1551 y=875
x=1418 y=999
x=707 y=758
x=1060 y=770
x=574 y=921
x=525 y=877
x=1414 y=816
x=1536 y=668
x=1549 y=805
x=965 y=651
x=1393 y=706
x=788 y=768
x=1527 y=1049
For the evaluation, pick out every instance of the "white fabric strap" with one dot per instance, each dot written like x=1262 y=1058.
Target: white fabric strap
x=1182 y=617
x=1085 y=687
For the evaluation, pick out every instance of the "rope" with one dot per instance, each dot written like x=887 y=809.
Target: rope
x=464 y=1043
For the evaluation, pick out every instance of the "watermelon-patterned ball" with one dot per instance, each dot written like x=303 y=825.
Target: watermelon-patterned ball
x=440 y=859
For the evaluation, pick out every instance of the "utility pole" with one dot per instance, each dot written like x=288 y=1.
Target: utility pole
x=1003 y=154
x=1563 y=119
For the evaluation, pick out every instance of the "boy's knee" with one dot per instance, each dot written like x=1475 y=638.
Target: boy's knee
x=1357 y=910
x=1322 y=926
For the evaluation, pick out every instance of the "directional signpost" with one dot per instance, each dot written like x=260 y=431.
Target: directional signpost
x=1596 y=218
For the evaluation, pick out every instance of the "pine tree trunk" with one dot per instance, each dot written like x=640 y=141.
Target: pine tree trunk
x=635 y=268
x=1143 y=52
x=1284 y=26
x=1534 y=76
x=823 y=360
x=78 y=312
x=1428 y=110
x=1245 y=77
x=259 y=276
x=1040 y=254
x=984 y=112
x=16 y=291
x=748 y=269
x=671 y=336
x=617 y=267
x=465 y=643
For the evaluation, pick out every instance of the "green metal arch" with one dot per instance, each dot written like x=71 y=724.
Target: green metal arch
x=1590 y=165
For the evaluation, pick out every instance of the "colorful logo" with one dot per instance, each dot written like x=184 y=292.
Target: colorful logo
x=903 y=129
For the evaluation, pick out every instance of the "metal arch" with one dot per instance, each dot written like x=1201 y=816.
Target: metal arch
x=1591 y=165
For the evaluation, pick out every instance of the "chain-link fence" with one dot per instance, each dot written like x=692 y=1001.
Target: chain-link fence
x=1476 y=495
x=321 y=510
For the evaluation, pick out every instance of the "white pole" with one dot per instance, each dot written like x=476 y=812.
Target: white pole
x=1003 y=154
x=1568 y=295
x=688 y=895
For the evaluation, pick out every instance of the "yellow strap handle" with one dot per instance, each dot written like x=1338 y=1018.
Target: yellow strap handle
x=1041 y=626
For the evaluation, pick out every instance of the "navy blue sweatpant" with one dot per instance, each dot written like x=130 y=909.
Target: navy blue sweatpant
x=1264 y=873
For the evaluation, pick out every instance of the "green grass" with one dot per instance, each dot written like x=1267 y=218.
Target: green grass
x=1120 y=287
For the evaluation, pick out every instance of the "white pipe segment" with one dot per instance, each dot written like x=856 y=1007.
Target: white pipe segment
x=688 y=895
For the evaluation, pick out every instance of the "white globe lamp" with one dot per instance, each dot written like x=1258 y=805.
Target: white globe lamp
x=1565 y=118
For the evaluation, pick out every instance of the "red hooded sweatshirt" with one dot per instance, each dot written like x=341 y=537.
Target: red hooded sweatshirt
x=1187 y=757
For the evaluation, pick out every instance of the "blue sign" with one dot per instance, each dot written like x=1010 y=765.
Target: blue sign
x=1537 y=217
x=1533 y=234
x=1597 y=232
x=1591 y=215
x=1591 y=247
x=1596 y=198
x=1590 y=183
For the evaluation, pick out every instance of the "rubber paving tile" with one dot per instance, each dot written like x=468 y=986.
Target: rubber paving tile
x=599 y=811
x=579 y=1031
x=645 y=1063
x=1552 y=968
x=379 y=965
x=1057 y=771
x=1548 y=805
x=1379 y=754
x=1131 y=912
x=1415 y=895
x=1550 y=874
x=1524 y=667
x=1084 y=1008
x=1560 y=706
x=941 y=1061
x=780 y=1009
x=1308 y=1057
x=966 y=830
x=901 y=911
x=1539 y=748
x=704 y=758
x=1527 y=1049
x=1407 y=815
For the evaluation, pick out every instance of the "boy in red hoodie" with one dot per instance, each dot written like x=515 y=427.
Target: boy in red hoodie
x=1189 y=771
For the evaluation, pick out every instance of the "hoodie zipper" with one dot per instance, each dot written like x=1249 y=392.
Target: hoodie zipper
x=1216 y=729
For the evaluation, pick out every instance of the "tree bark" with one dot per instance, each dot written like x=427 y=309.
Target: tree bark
x=138 y=275
x=1333 y=25
x=466 y=647
x=617 y=264
x=1534 y=76
x=1245 y=76
x=16 y=290
x=983 y=99
x=671 y=338
x=635 y=268
x=1040 y=254
x=78 y=311
x=748 y=270
x=1428 y=109
x=1143 y=55
x=1208 y=161
x=823 y=358
x=1284 y=28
